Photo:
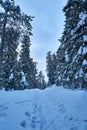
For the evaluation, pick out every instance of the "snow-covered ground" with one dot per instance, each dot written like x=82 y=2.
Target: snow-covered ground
x=54 y=108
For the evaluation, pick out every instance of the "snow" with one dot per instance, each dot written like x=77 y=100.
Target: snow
x=2 y=10
x=81 y=72
x=80 y=50
x=23 y=77
x=74 y=58
x=84 y=62
x=23 y=80
x=82 y=21
x=11 y=76
x=0 y=40
x=54 y=108
x=84 y=50
x=85 y=38
x=72 y=32
x=67 y=58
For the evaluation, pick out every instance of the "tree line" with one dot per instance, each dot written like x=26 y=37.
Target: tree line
x=17 y=69
x=68 y=65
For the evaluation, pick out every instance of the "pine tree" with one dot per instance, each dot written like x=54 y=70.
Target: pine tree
x=9 y=35
x=10 y=56
x=71 y=10
x=59 y=67
x=73 y=44
x=51 y=67
x=24 y=60
x=15 y=30
x=41 y=80
x=80 y=57
x=28 y=67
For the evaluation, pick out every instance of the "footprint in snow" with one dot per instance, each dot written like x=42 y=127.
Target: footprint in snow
x=85 y=120
x=34 y=122
x=2 y=116
x=23 y=124
x=73 y=128
x=27 y=114
x=4 y=106
x=20 y=102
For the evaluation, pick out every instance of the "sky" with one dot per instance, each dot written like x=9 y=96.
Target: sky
x=47 y=25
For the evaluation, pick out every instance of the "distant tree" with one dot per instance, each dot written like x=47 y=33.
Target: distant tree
x=60 y=66
x=41 y=81
x=51 y=67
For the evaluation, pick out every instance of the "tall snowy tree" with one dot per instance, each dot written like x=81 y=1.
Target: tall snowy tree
x=10 y=56
x=41 y=80
x=80 y=57
x=9 y=36
x=73 y=45
x=28 y=66
x=15 y=31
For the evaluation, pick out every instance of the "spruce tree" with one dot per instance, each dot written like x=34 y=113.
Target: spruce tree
x=9 y=36
x=51 y=67
x=15 y=31
x=41 y=80
x=80 y=57
x=59 y=67
x=28 y=66
x=10 y=56
x=73 y=44
x=71 y=10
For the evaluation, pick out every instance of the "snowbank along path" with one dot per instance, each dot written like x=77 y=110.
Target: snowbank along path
x=54 y=108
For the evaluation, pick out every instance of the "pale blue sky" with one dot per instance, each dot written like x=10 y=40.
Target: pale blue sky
x=47 y=26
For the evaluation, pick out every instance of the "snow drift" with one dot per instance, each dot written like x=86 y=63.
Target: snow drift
x=54 y=108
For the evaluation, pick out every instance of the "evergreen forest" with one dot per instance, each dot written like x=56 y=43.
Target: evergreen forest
x=66 y=67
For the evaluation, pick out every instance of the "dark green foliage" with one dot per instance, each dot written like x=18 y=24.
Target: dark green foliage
x=71 y=70
x=71 y=57
x=9 y=54
x=51 y=67
x=41 y=81
x=8 y=37
x=15 y=30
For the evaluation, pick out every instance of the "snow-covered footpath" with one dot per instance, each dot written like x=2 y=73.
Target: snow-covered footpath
x=54 y=108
